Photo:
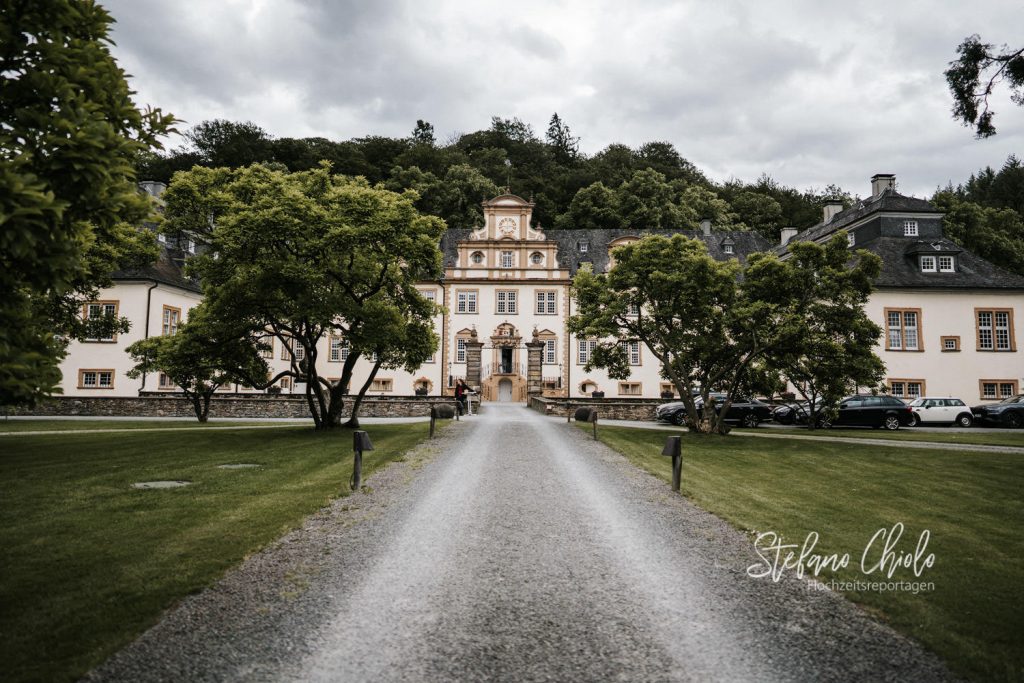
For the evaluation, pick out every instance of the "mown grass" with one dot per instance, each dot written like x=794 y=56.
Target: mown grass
x=88 y=563
x=45 y=425
x=970 y=502
x=977 y=437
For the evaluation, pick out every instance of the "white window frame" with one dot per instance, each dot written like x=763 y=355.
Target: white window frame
x=460 y=349
x=507 y=301
x=550 y=352
x=995 y=334
x=584 y=348
x=903 y=330
x=910 y=229
x=338 y=350
x=851 y=238
x=946 y=264
x=546 y=302
x=632 y=349
x=928 y=264
x=507 y=259
x=466 y=301
x=102 y=310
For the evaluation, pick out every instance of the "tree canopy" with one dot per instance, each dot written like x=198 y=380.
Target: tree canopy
x=199 y=359
x=550 y=170
x=973 y=76
x=310 y=255
x=717 y=326
x=70 y=135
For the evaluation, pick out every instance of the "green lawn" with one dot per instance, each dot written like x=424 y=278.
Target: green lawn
x=88 y=563
x=970 y=502
x=978 y=436
x=45 y=425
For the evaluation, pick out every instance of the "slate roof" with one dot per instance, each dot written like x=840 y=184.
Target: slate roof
x=168 y=270
x=888 y=200
x=900 y=268
x=569 y=255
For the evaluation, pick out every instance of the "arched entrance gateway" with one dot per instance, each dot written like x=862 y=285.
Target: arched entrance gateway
x=503 y=374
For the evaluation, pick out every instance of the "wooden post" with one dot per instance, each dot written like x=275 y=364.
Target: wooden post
x=674 y=447
x=593 y=419
x=360 y=442
x=433 y=419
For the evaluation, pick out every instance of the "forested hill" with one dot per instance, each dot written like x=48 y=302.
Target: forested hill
x=651 y=186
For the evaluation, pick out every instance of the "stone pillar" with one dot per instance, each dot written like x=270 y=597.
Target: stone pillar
x=473 y=353
x=534 y=358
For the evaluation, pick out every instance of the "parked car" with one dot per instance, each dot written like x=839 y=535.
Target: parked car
x=745 y=411
x=1008 y=413
x=872 y=411
x=792 y=413
x=929 y=410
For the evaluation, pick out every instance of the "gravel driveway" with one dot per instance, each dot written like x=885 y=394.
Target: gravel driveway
x=514 y=548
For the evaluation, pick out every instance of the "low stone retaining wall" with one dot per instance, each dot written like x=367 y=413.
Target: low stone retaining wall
x=607 y=408
x=263 y=406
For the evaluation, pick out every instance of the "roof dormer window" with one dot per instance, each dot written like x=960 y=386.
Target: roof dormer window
x=727 y=248
x=583 y=246
x=928 y=264
x=910 y=229
x=946 y=264
x=851 y=238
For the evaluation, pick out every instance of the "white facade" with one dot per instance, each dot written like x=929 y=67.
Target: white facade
x=948 y=349
x=506 y=281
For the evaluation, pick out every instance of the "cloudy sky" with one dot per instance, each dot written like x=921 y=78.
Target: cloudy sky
x=810 y=92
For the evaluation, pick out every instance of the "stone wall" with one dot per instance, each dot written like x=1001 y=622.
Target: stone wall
x=607 y=408
x=262 y=406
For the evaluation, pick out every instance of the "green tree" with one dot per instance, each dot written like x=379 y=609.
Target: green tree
x=564 y=146
x=710 y=328
x=760 y=212
x=648 y=201
x=994 y=234
x=199 y=359
x=833 y=350
x=594 y=207
x=698 y=202
x=423 y=133
x=974 y=74
x=227 y=143
x=69 y=138
x=663 y=157
x=303 y=256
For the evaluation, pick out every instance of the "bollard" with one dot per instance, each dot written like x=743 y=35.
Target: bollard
x=458 y=410
x=593 y=420
x=433 y=419
x=360 y=442
x=674 y=448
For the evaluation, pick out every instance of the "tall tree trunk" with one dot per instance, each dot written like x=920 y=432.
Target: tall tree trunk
x=353 y=420
x=197 y=405
x=205 y=415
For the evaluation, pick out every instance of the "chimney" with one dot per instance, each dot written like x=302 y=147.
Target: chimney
x=880 y=182
x=705 y=226
x=831 y=208
x=788 y=234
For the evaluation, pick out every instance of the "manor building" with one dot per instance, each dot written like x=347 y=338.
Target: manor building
x=951 y=319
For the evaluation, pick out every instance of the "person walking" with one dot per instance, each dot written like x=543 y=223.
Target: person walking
x=460 y=395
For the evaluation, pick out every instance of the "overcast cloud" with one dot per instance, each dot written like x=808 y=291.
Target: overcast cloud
x=809 y=92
